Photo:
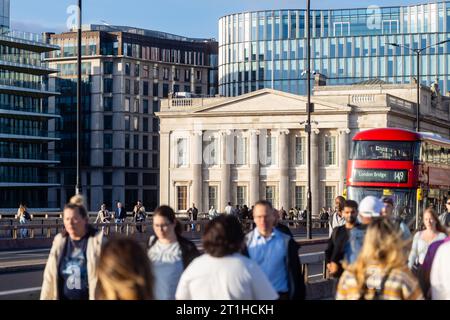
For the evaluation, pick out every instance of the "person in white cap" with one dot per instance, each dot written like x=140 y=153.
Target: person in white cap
x=369 y=208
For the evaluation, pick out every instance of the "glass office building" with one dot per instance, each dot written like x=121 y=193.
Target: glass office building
x=267 y=49
x=26 y=145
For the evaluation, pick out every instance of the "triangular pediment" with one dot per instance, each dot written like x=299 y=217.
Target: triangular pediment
x=268 y=101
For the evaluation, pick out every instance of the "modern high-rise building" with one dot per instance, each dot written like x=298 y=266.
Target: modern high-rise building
x=126 y=71
x=267 y=49
x=26 y=146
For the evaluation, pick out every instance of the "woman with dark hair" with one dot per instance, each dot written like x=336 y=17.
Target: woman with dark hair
x=223 y=273
x=71 y=270
x=169 y=253
x=124 y=272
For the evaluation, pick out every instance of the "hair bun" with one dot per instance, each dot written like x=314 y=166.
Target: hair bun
x=77 y=200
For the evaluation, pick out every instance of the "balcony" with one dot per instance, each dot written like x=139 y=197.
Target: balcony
x=13 y=111
x=25 y=64
x=38 y=90
x=26 y=40
x=28 y=158
x=24 y=134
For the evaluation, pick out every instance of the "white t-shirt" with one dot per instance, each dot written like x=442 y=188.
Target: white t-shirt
x=167 y=269
x=228 y=209
x=232 y=277
x=440 y=275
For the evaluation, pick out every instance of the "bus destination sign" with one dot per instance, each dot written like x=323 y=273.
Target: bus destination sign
x=380 y=175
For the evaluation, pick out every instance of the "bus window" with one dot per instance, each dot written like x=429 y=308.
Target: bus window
x=383 y=150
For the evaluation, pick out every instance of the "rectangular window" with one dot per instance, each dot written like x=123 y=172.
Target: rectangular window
x=145 y=106
x=107 y=103
x=181 y=152
x=270 y=194
x=145 y=88
x=127 y=123
x=137 y=69
x=145 y=142
x=127 y=159
x=107 y=122
x=108 y=67
x=127 y=86
x=145 y=124
x=107 y=140
x=330 y=150
x=149 y=179
x=241 y=195
x=300 y=147
x=136 y=106
x=127 y=105
x=136 y=160
x=211 y=148
x=165 y=90
x=107 y=178
x=271 y=150
x=136 y=87
x=107 y=159
x=127 y=141
x=127 y=69
x=107 y=198
x=155 y=159
x=155 y=125
x=212 y=197
x=166 y=73
x=145 y=161
x=131 y=178
x=107 y=85
x=155 y=105
x=155 y=143
x=136 y=123
x=330 y=194
x=155 y=90
x=300 y=197
x=187 y=75
x=182 y=198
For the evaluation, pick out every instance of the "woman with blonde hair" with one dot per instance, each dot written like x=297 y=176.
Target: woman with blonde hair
x=23 y=216
x=380 y=271
x=124 y=272
x=71 y=270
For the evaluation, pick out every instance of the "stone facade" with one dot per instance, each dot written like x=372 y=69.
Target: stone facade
x=258 y=144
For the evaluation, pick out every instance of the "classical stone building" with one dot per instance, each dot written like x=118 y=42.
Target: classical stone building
x=253 y=146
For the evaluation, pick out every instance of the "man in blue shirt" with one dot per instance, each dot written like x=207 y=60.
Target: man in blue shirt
x=276 y=253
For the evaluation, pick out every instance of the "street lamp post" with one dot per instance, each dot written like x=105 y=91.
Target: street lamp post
x=417 y=52
x=308 y=123
x=78 y=182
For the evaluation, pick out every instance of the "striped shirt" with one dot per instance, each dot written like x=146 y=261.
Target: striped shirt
x=400 y=285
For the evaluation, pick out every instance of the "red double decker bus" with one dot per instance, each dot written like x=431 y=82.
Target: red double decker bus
x=412 y=168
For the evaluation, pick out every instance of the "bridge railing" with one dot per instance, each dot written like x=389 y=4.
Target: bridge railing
x=47 y=228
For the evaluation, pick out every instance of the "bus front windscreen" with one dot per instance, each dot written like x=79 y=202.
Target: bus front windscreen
x=404 y=199
x=383 y=150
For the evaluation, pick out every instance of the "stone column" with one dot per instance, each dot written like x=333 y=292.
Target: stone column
x=196 y=166
x=225 y=176
x=283 y=150
x=192 y=80
x=164 y=163
x=254 y=168
x=315 y=174
x=343 y=157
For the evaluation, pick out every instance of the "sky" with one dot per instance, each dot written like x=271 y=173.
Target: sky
x=191 y=18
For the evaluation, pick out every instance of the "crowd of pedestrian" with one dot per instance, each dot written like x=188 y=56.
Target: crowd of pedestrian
x=371 y=255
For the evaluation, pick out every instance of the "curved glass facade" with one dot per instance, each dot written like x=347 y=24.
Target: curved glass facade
x=267 y=49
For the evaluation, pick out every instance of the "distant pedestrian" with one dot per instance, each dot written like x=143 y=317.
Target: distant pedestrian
x=193 y=213
x=228 y=208
x=336 y=218
x=283 y=214
x=24 y=218
x=169 y=253
x=444 y=218
x=222 y=273
x=235 y=211
x=324 y=217
x=139 y=215
x=71 y=269
x=422 y=239
x=276 y=253
x=103 y=216
x=212 y=213
x=280 y=226
x=244 y=212
x=120 y=216
x=380 y=272
x=396 y=220
x=124 y=271
x=339 y=250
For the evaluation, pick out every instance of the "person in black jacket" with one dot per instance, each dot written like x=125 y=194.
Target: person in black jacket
x=265 y=245
x=335 y=252
x=169 y=253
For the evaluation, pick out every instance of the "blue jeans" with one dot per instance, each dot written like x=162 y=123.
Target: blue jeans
x=23 y=231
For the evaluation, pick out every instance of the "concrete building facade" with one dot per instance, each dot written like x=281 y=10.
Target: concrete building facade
x=253 y=146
